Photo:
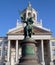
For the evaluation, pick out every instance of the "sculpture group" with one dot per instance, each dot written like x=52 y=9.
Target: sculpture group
x=28 y=29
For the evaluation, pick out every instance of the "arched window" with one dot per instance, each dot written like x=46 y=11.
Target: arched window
x=34 y=16
x=29 y=14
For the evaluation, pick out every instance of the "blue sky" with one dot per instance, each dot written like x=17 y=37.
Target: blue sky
x=9 y=13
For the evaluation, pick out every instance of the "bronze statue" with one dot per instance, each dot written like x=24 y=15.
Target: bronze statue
x=28 y=28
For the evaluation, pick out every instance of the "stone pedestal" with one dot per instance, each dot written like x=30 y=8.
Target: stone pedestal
x=29 y=56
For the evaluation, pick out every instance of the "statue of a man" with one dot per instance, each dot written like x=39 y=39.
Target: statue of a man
x=28 y=28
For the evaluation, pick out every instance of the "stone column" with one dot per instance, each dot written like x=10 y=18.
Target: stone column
x=2 y=53
x=16 y=50
x=51 y=55
x=42 y=50
x=8 y=50
x=8 y=54
x=2 y=50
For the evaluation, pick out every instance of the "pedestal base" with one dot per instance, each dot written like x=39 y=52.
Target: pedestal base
x=29 y=61
x=51 y=63
x=29 y=56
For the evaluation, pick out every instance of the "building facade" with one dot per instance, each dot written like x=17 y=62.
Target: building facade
x=11 y=49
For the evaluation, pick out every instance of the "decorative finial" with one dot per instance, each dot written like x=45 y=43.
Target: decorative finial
x=29 y=4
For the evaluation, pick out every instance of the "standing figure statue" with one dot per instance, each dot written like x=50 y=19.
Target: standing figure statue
x=28 y=29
